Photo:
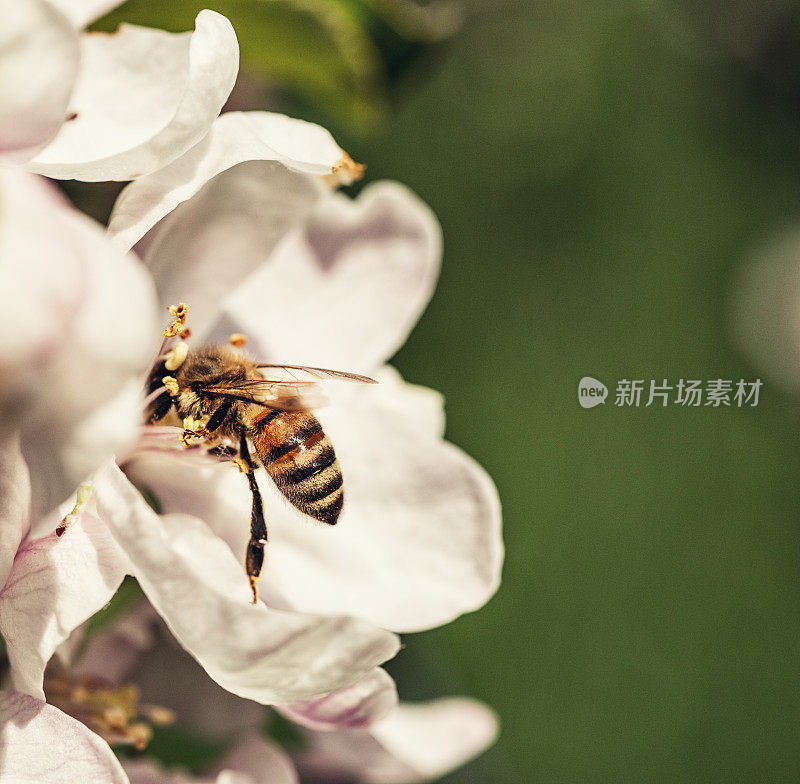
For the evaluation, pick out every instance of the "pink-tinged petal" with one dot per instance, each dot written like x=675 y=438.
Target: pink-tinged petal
x=414 y=743
x=15 y=503
x=192 y=578
x=77 y=329
x=142 y=98
x=55 y=584
x=211 y=243
x=41 y=745
x=38 y=65
x=356 y=707
x=365 y=269
x=234 y=138
x=261 y=761
x=83 y=12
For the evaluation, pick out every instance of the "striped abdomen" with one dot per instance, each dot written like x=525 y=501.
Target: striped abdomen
x=299 y=458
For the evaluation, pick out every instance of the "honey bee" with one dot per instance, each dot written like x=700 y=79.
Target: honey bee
x=228 y=401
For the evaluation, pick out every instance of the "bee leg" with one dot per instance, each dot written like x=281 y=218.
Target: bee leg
x=218 y=417
x=254 y=560
x=191 y=434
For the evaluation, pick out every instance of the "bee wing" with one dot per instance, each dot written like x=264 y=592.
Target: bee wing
x=313 y=374
x=286 y=395
x=290 y=387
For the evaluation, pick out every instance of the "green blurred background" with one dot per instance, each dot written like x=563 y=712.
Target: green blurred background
x=600 y=172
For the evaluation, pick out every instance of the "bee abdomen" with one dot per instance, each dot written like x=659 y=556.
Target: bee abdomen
x=299 y=458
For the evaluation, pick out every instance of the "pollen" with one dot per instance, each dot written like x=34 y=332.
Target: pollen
x=345 y=172
x=237 y=340
x=176 y=357
x=178 y=323
x=113 y=712
x=241 y=465
x=171 y=384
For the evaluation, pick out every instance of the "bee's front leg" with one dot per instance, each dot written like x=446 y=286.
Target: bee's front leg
x=194 y=429
x=254 y=560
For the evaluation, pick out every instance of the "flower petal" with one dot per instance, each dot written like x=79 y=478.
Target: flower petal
x=365 y=268
x=113 y=653
x=15 y=502
x=196 y=584
x=418 y=542
x=211 y=243
x=261 y=761
x=436 y=737
x=414 y=743
x=82 y=12
x=38 y=65
x=143 y=97
x=55 y=584
x=41 y=744
x=143 y=771
x=77 y=329
x=234 y=138
x=167 y=674
x=356 y=707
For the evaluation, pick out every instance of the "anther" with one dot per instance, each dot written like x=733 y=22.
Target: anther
x=84 y=493
x=171 y=384
x=178 y=323
x=176 y=357
x=344 y=172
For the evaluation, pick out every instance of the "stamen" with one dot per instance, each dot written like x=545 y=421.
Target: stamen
x=176 y=357
x=84 y=494
x=178 y=323
x=171 y=384
x=112 y=712
x=345 y=172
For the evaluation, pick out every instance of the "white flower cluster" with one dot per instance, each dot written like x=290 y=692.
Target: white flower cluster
x=236 y=215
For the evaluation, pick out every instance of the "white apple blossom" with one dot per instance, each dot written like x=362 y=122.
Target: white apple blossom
x=359 y=734
x=77 y=324
x=233 y=216
x=417 y=742
x=315 y=278
x=97 y=106
x=74 y=337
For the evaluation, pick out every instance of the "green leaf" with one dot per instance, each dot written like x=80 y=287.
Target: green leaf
x=315 y=48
